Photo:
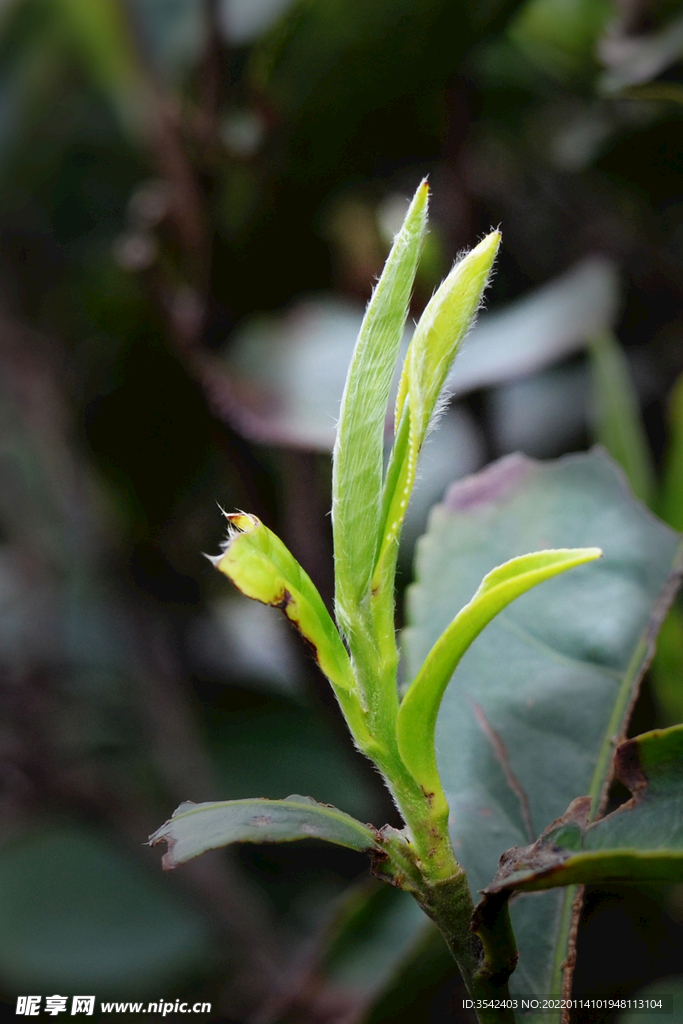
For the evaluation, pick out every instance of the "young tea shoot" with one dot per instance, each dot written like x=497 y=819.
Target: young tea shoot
x=358 y=653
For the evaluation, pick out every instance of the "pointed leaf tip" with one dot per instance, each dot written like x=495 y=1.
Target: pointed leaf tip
x=435 y=344
x=358 y=463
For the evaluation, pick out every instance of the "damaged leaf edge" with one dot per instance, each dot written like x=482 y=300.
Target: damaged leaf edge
x=545 y=864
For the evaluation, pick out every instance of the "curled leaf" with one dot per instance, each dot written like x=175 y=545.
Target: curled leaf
x=260 y=565
x=420 y=706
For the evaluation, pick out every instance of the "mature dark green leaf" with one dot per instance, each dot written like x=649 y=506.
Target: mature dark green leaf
x=196 y=828
x=667 y=668
x=667 y=665
x=529 y=720
x=641 y=840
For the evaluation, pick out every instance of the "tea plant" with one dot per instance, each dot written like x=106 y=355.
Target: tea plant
x=532 y=718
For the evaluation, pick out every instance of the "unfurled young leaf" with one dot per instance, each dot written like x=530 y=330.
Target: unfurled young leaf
x=420 y=706
x=438 y=335
x=196 y=828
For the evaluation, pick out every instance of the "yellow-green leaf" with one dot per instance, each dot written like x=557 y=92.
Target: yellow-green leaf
x=441 y=328
x=420 y=706
x=260 y=565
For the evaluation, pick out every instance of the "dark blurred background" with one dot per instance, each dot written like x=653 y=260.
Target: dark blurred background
x=196 y=197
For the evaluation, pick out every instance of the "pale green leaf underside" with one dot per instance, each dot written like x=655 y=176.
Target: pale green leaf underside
x=641 y=840
x=420 y=706
x=196 y=828
x=359 y=450
x=528 y=720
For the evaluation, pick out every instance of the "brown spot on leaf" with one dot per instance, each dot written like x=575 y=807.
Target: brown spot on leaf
x=288 y=605
x=628 y=767
x=307 y=640
x=378 y=862
x=162 y=835
x=283 y=602
x=168 y=861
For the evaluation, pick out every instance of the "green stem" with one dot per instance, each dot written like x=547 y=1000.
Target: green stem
x=485 y=957
x=421 y=860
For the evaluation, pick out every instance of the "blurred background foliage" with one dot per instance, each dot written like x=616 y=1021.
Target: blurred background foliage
x=196 y=197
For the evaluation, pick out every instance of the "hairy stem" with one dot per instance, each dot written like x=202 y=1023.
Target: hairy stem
x=485 y=956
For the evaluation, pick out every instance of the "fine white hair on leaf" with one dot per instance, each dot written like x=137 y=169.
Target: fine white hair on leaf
x=447 y=393
x=441 y=406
